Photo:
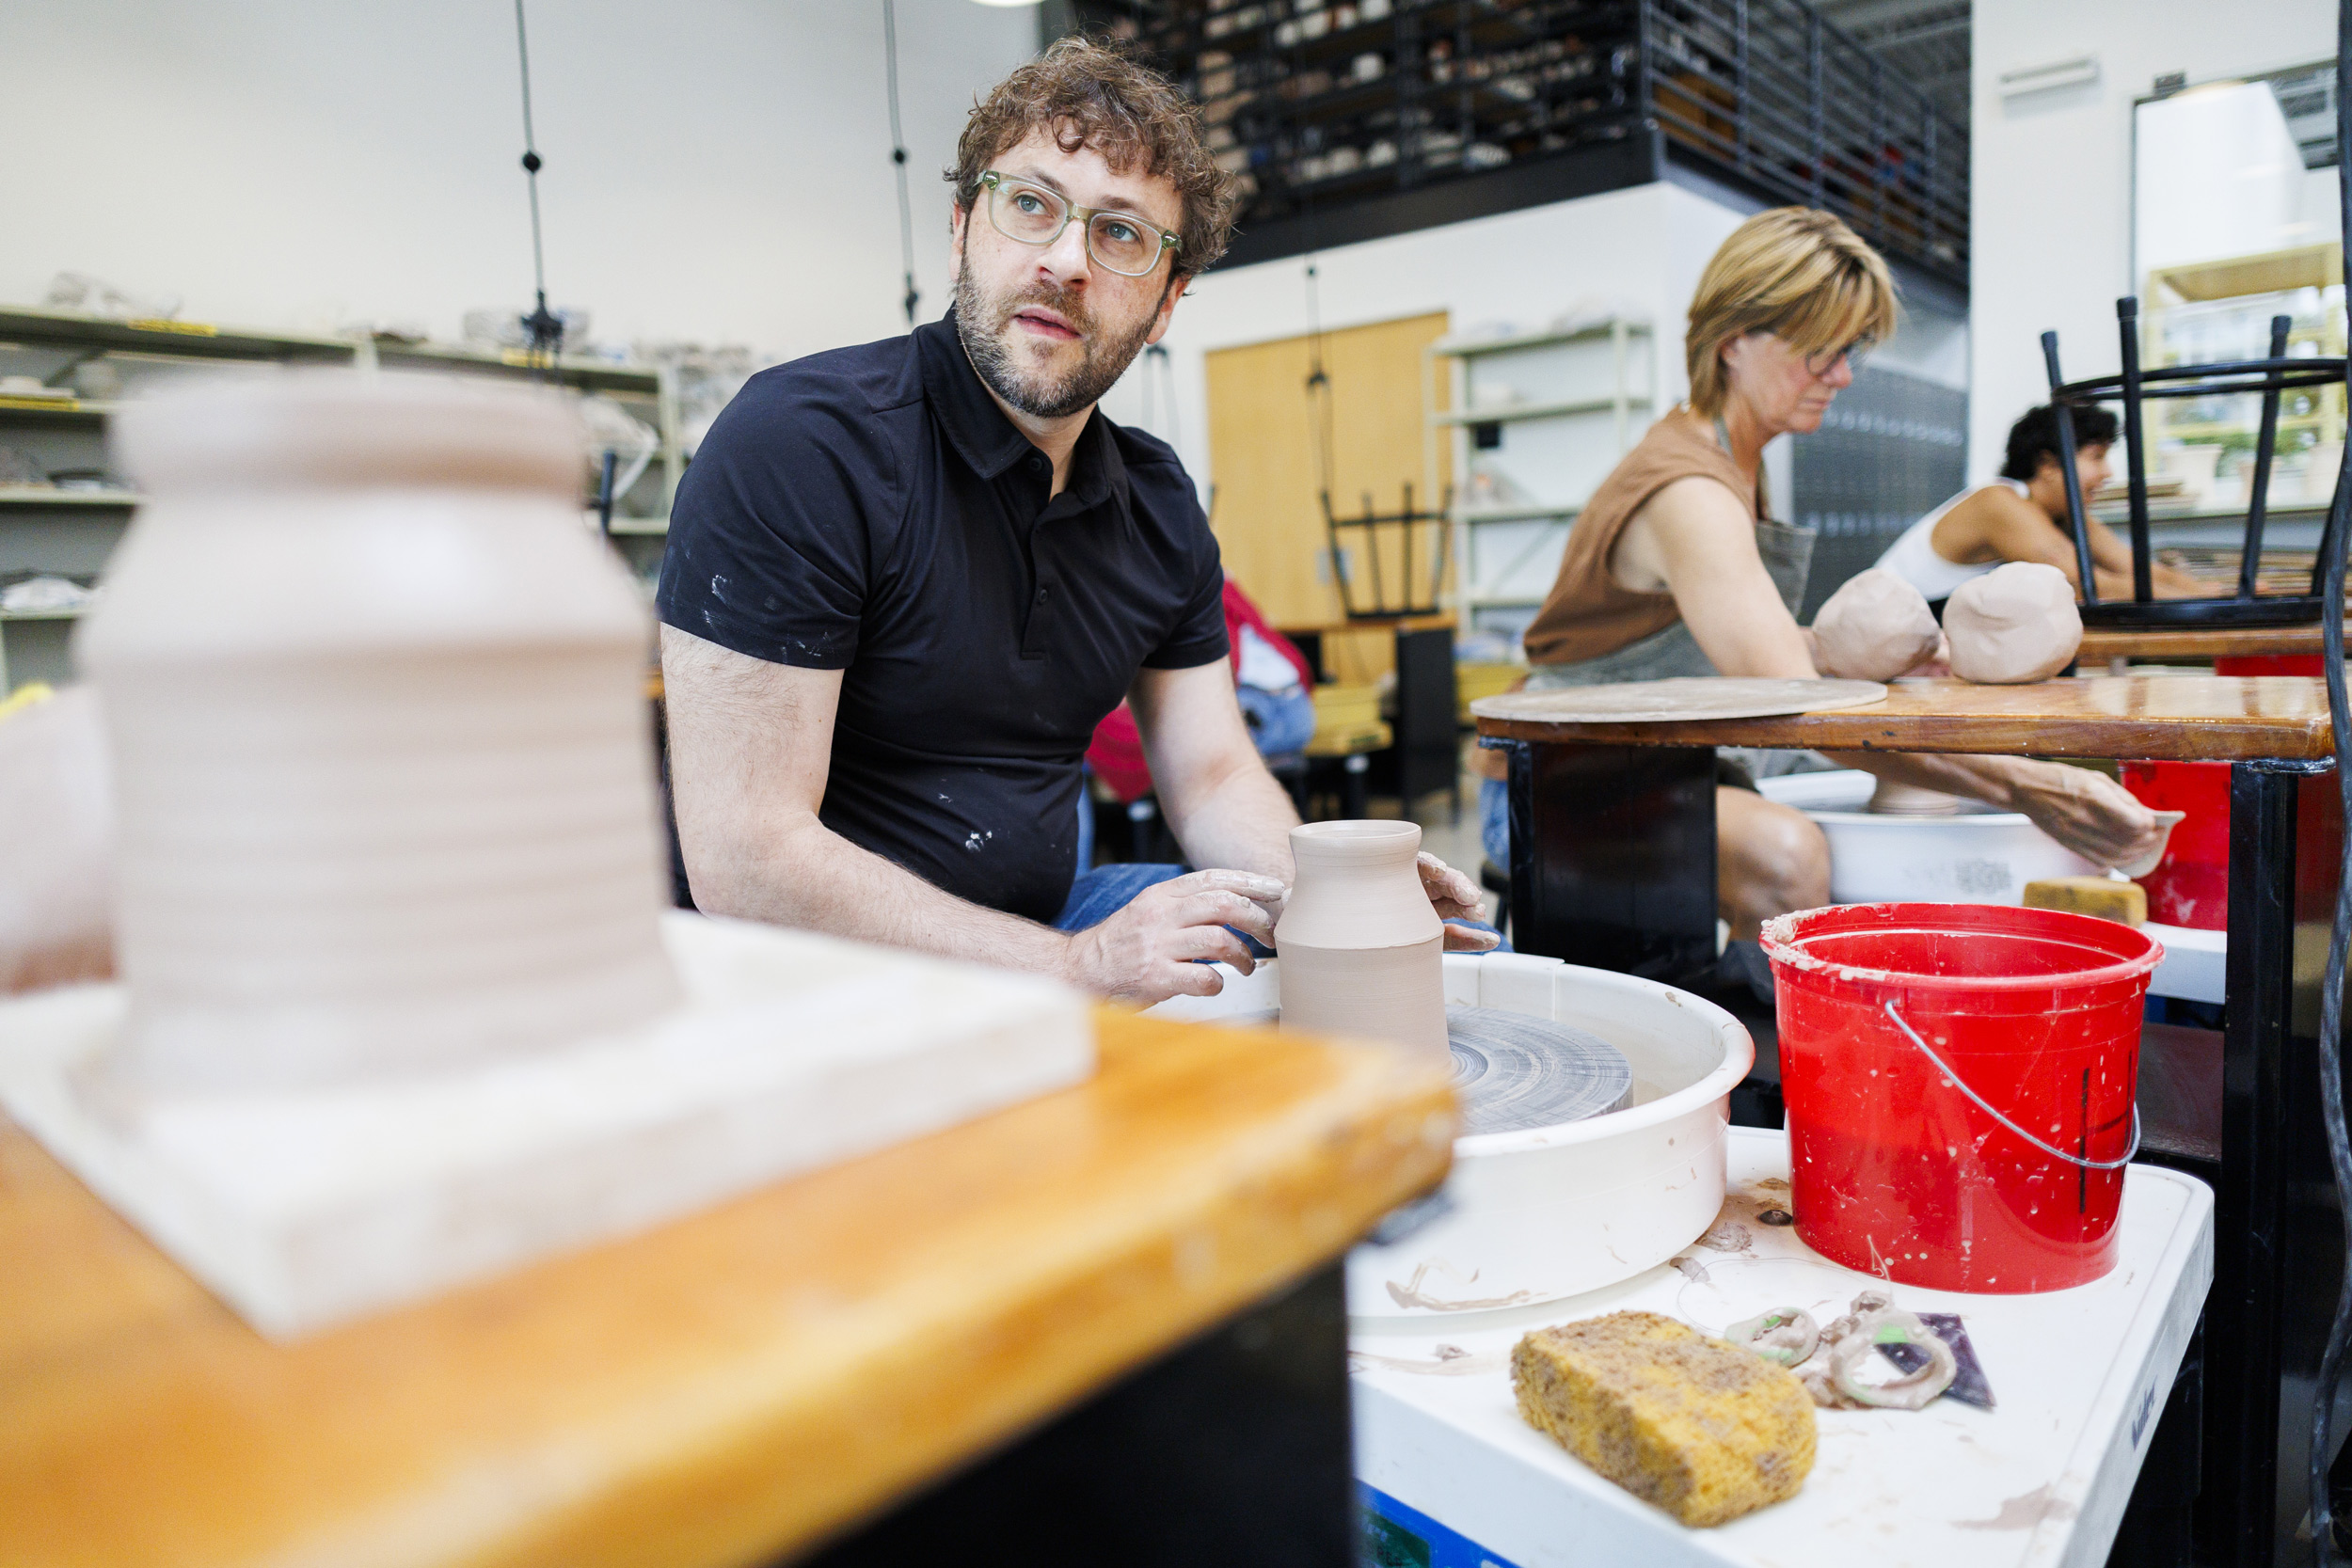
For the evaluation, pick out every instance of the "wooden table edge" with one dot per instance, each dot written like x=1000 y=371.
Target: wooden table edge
x=1897 y=725
x=739 y=1477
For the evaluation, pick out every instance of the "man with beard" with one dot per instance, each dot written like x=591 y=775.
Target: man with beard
x=906 y=580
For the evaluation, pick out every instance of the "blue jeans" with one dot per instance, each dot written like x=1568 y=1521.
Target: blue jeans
x=1102 y=893
x=1280 y=722
x=1494 y=821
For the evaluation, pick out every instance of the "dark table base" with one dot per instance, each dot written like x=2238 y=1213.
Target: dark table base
x=1233 y=1451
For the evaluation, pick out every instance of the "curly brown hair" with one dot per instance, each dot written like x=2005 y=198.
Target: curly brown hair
x=1094 y=96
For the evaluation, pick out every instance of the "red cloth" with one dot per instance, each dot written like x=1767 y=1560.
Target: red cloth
x=1116 y=753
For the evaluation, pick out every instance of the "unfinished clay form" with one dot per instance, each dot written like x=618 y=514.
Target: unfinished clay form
x=372 y=696
x=1894 y=799
x=2015 y=625
x=400 y=1010
x=1361 y=947
x=1874 y=628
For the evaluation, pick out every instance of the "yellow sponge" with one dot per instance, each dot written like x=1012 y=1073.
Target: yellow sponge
x=2103 y=896
x=1704 y=1429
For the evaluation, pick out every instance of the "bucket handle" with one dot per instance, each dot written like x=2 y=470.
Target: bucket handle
x=1986 y=1108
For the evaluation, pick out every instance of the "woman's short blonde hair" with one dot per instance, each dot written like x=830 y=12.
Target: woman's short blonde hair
x=1797 y=273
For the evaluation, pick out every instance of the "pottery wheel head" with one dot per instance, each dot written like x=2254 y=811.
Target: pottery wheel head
x=1512 y=1072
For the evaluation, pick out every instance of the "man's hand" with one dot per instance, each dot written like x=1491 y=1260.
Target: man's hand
x=1144 y=954
x=1456 y=897
x=2089 y=813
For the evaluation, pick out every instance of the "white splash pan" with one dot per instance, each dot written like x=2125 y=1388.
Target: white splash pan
x=1552 y=1211
x=1979 y=857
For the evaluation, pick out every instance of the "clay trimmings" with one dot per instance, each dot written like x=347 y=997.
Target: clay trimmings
x=1512 y=1072
x=1874 y=628
x=2013 y=624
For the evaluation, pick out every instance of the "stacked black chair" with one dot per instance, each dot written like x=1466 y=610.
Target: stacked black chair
x=2268 y=377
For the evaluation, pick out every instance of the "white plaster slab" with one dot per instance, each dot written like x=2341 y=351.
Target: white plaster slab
x=792 y=1052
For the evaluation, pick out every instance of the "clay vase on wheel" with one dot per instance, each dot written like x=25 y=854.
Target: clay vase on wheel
x=1362 y=949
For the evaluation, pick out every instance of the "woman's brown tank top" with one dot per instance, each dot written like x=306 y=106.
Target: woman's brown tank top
x=1586 y=615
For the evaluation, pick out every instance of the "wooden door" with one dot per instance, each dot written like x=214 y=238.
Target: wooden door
x=1262 y=453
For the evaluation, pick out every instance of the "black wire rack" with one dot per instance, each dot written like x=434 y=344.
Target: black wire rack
x=1324 y=107
x=2132 y=387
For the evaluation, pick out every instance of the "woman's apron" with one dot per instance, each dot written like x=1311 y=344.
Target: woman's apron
x=1787 y=556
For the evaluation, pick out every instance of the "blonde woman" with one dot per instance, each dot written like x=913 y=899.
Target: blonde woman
x=1675 y=567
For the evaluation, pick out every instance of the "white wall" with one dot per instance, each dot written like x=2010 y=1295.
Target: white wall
x=2217 y=173
x=716 y=169
x=1643 y=246
x=2051 y=231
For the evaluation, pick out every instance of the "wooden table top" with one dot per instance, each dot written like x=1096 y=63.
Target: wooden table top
x=2101 y=644
x=722 y=1390
x=2171 y=717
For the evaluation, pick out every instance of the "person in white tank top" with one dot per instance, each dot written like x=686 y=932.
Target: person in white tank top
x=2022 y=517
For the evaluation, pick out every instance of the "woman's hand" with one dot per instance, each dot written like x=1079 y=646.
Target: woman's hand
x=2089 y=813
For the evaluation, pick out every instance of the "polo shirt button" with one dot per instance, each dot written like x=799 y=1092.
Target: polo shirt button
x=1043 y=593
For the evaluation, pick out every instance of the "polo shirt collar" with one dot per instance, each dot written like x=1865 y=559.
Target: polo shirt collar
x=990 y=443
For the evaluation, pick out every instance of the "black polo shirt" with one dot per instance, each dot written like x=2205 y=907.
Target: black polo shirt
x=872 y=511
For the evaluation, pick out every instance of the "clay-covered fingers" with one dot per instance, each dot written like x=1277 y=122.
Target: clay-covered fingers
x=1461 y=938
x=1215 y=944
x=1257 y=889
x=1455 y=895
x=1216 y=909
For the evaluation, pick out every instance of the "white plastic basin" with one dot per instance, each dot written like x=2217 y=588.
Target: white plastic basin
x=1537 y=1216
x=1981 y=857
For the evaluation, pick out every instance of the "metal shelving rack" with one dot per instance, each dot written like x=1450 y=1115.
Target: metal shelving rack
x=1347 y=119
x=1533 y=530
x=72 y=532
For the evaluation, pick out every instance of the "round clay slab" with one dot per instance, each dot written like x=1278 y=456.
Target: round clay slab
x=1680 y=699
x=1514 y=1070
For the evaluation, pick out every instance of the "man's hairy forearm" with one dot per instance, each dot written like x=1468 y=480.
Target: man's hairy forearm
x=1242 y=822
x=802 y=873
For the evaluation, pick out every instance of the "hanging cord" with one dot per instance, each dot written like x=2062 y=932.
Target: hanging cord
x=545 y=327
x=1318 y=385
x=2331 y=987
x=1319 y=419
x=898 y=157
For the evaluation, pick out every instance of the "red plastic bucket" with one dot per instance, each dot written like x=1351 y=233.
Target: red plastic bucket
x=2190 y=886
x=1960 y=1081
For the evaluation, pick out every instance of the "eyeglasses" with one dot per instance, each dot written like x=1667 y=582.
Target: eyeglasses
x=1853 y=354
x=1118 y=241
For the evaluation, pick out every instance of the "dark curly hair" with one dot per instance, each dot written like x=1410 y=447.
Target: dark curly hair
x=2037 y=435
x=1093 y=96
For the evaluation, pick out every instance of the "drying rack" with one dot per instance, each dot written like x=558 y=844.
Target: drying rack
x=2269 y=376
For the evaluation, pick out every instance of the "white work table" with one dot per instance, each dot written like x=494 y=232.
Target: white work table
x=2080 y=1377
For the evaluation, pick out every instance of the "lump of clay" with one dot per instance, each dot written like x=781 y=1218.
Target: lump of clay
x=2016 y=623
x=1874 y=628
